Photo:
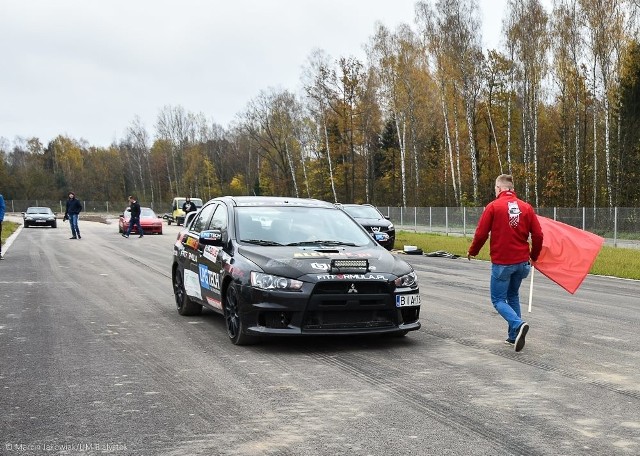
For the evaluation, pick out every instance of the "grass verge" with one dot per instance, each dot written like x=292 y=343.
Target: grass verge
x=612 y=261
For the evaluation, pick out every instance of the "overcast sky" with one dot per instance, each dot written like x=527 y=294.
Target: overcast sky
x=87 y=68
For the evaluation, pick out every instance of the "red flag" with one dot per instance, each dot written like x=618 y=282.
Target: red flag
x=567 y=253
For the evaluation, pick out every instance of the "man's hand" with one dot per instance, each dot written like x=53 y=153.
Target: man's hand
x=469 y=256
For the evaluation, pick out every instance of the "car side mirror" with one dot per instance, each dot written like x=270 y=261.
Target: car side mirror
x=210 y=237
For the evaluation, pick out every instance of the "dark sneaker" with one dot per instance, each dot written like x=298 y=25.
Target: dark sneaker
x=510 y=342
x=79 y=237
x=124 y=235
x=142 y=235
x=522 y=332
x=73 y=237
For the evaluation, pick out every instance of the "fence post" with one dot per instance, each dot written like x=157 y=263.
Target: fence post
x=401 y=216
x=464 y=221
x=446 y=220
x=107 y=207
x=555 y=213
x=415 y=219
x=615 y=227
x=430 y=219
x=584 y=218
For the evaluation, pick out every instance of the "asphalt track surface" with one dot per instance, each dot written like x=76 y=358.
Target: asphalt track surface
x=94 y=359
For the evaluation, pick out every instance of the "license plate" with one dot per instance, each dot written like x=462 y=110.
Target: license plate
x=40 y=221
x=407 y=300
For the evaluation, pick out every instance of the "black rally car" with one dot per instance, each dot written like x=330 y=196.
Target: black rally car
x=288 y=266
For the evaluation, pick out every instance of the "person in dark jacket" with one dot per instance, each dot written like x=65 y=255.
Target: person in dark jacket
x=135 y=217
x=71 y=213
x=510 y=221
x=188 y=206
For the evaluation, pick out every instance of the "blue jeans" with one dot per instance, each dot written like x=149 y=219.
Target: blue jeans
x=73 y=223
x=505 y=295
x=135 y=221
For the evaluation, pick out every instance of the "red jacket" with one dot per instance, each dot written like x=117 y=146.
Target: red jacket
x=510 y=221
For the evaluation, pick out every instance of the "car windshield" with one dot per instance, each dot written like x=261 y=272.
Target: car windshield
x=39 y=210
x=145 y=212
x=298 y=225
x=362 y=211
x=196 y=201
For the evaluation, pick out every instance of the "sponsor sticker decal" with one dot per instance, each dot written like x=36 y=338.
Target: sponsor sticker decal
x=208 y=280
x=211 y=253
x=192 y=284
x=350 y=277
x=214 y=303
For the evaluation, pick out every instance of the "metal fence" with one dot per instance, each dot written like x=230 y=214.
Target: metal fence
x=619 y=225
x=108 y=208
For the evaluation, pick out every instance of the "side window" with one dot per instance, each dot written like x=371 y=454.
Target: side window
x=219 y=220
x=202 y=218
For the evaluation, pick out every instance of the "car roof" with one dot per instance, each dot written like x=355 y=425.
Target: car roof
x=274 y=201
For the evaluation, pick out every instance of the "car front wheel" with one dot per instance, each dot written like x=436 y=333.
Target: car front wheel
x=233 y=320
x=185 y=306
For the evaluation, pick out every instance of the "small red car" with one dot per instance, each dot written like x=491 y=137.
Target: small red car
x=150 y=222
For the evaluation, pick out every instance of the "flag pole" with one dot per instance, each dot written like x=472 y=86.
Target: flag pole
x=533 y=269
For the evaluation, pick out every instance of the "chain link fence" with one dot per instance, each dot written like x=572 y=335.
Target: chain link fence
x=107 y=208
x=620 y=226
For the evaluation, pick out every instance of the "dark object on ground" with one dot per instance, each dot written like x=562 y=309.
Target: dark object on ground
x=442 y=254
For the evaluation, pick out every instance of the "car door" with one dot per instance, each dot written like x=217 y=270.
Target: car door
x=211 y=267
x=193 y=253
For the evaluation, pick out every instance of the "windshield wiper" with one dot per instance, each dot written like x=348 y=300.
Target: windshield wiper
x=260 y=242
x=325 y=242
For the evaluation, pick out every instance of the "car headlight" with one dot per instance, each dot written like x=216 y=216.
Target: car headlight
x=272 y=282
x=407 y=280
x=28 y=218
x=390 y=227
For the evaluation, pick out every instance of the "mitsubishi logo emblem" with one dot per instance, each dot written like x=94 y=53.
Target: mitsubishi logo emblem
x=352 y=289
x=375 y=229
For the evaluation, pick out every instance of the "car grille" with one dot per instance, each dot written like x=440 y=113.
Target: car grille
x=334 y=305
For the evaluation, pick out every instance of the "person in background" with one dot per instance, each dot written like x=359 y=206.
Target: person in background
x=510 y=222
x=135 y=217
x=188 y=206
x=71 y=213
x=2 y=209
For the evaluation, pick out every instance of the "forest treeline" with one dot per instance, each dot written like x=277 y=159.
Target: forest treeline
x=429 y=118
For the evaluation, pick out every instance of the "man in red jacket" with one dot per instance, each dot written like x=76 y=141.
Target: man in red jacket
x=510 y=222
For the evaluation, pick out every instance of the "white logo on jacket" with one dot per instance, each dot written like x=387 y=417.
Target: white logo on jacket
x=514 y=213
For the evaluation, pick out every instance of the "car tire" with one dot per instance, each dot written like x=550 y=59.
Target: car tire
x=26 y=225
x=54 y=225
x=233 y=320
x=168 y=222
x=186 y=307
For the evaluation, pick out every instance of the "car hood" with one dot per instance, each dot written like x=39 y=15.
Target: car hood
x=373 y=221
x=295 y=262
